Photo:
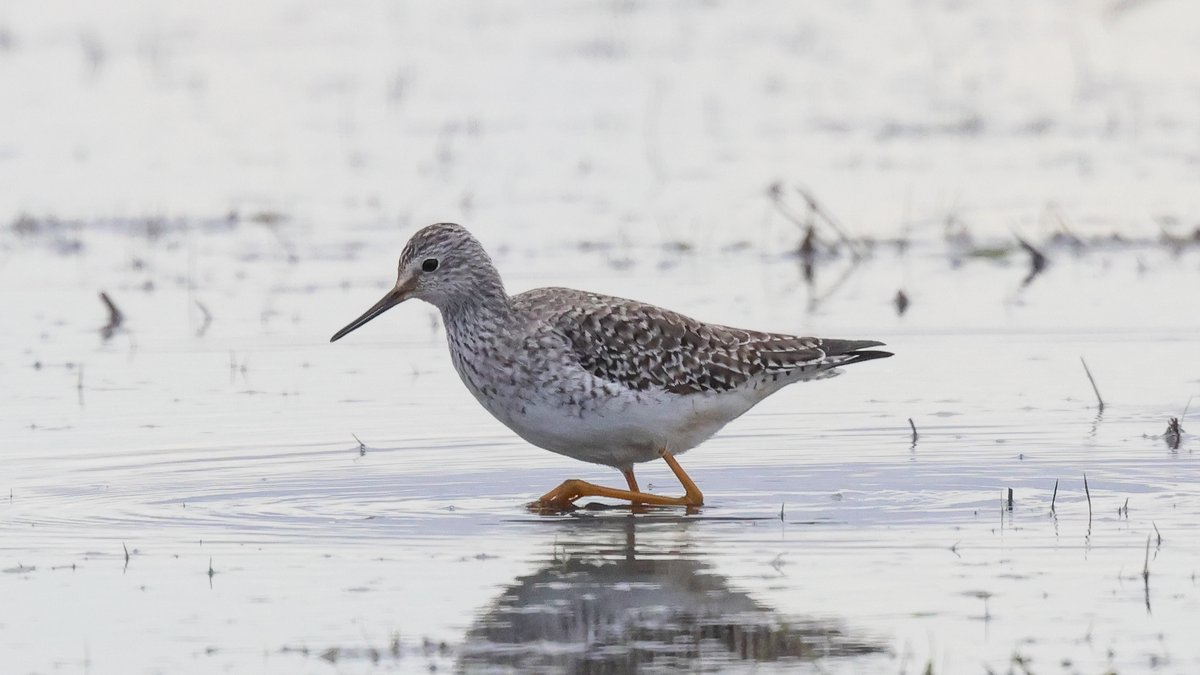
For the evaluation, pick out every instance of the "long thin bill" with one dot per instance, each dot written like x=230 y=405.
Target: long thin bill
x=393 y=298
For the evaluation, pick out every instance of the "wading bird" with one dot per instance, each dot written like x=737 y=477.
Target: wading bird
x=598 y=378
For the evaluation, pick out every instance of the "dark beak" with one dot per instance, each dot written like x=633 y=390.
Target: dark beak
x=394 y=297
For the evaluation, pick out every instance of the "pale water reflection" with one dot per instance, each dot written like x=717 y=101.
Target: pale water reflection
x=628 y=594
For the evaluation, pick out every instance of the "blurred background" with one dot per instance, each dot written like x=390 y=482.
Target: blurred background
x=603 y=119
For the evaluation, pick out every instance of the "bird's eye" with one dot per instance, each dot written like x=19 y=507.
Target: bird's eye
x=429 y=265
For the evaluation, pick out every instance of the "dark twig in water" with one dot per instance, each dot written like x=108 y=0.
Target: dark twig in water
x=915 y=435
x=126 y=549
x=115 y=317
x=901 y=302
x=207 y=318
x=781 y=513
x=1157 y=533
x=1174 y=433
x=1010 y=499
x=1124 y=509
x=1054 y=496
x=1093 y=381
x=808 y=247
x=1146 y=573
x=1088 y=492
x=808 y=254
x=829 y=220
x=362 y=447
x=807 y=251
x=1037 y=261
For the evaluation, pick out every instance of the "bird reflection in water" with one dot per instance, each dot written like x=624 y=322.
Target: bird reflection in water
x=602 y=605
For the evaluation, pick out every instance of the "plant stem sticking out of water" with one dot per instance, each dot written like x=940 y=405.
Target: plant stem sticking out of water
x=915 y=435
x=362 y=447
x=1174 y=433
x=808 y=253
x=1053 y=497
x=115 y=317
x=1037 y=261
x=1093 y=381
x=126 y=549
x=817 y=210
x=1088 y=492
x=1009 y=505
x=1146 y=574
x=207 y=318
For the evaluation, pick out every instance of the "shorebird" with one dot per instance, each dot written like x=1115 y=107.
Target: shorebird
x=598 y=378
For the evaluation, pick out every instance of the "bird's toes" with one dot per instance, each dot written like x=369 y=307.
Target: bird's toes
x=550 y=507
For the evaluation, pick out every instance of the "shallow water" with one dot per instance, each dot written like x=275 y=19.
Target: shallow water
x=191 y=494
x=830 y=540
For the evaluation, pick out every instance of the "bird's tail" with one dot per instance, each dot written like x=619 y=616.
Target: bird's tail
x=845 y=352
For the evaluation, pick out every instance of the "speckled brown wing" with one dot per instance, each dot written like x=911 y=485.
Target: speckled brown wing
x=644 y=347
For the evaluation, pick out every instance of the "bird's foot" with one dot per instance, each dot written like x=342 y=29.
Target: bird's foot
x=559 y=500
x=562 y=498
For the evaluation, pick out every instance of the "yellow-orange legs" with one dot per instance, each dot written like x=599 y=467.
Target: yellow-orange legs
x=562 y=498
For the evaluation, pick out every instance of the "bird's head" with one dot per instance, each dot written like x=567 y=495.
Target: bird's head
x=443 y=265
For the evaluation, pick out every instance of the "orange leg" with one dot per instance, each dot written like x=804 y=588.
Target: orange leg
x=563 y=497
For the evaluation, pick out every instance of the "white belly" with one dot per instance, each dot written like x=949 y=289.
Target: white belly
x=556 y=405
x=627 y=428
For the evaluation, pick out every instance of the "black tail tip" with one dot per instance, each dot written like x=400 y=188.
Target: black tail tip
x=867 y=355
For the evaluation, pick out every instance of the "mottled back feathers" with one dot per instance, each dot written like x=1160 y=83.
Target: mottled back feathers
x=644 y=347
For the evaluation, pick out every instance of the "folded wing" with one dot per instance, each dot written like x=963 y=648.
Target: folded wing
x=644 y=347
